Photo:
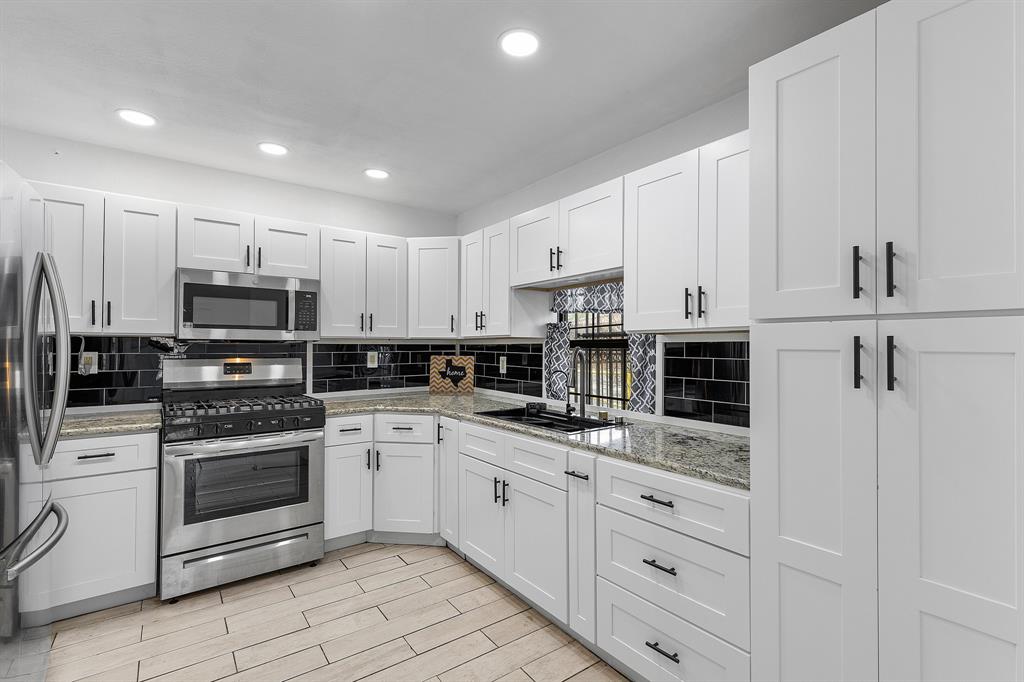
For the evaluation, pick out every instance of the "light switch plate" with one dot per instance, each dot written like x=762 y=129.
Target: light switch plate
x=502 y=364
x=371 y=359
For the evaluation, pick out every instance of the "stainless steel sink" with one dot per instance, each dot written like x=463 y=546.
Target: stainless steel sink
x=549 y=419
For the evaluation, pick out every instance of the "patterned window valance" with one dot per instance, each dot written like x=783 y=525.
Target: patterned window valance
x=598 y=298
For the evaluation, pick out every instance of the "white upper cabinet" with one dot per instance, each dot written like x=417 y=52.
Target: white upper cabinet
x=590 y=231
x=724 y=207
x=287 y=248
x=342 y=282
x=387 y=272
x=812 y=512
x=661 y=248
x=138 y=266
x=215 y=239
x=73 y=233
x=950 y=498
x=434 y=287
x=533 y=240
x=950 y=119
x=812 y=189
x=495 y=320
x=471 y=282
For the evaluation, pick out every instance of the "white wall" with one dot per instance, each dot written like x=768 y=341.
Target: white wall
x=113 y=170
x=706 y=125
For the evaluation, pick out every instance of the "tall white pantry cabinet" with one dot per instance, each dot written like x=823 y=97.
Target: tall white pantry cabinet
x=887 y=466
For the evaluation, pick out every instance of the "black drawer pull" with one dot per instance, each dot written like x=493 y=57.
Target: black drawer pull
x=440 y=432
x=890 y=256
x=483 y=320
x=259 y=257
x=576 y=474
x=890 y=361
x=655 y=564
x=558 y=258
x=700 y=302
x=655 y=500
x=97 y=456
x=453 y=323
x=93 y=312
x=857 y=346
x=497 y=495
x=378 y=460
x=504 y=497
x=354 y=428
x=367 y=459
x=371 y=323
x=551 y=260
x=361 y=318
x=686 y=303
x=108 y=313
x=246 y=255
x=654 y=645
x=401 y=428
x=857 y=288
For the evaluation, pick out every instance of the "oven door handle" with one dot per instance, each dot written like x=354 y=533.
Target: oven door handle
x=216 y=448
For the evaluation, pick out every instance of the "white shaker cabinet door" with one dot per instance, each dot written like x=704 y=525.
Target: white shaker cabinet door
x=950 y=499
x=812 y=176
x=533 y=244
x=660 y=245
x=342 y=282
x=348 y=489
x=387 y=272
x=472 y=282
x=723 y=295
x=73 y=227
x=582 y=550
x=812 y=512
x=497 y=314
x=403 y=487
x=138 y=266
x=590 y=230
x=950 y=158
x=481 y=516
x=448 y=483
x=434 y=287
x=287 y=248
x=215 y=239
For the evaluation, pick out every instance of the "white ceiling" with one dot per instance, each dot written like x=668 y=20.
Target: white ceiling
x=419 y=88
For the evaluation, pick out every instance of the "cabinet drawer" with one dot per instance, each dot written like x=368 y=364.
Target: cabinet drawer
x=707 y=586
x=345 y=430
x=628 y=626
x=404 y=428
x=482 y=443
x=91 y=456
x=685 y=505
x=540 y=461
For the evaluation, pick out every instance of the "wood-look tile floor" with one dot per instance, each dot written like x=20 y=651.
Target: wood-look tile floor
x=376 y=612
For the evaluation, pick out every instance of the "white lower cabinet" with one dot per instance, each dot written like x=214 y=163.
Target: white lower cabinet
x=348 y=489
x=448 y=480
x=660 y=646
x=581 y=479
x=403 y=487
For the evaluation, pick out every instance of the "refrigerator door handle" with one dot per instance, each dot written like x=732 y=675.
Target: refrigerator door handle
x=45 y=272
x=13 y=570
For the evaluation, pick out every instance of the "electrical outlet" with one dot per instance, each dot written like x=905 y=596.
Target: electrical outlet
x=88 y=363
x=502 y=364
x=371 y=359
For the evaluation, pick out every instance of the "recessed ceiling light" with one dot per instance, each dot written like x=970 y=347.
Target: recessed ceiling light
x=519 y=42
x=273 y=148
x=136 y=117
x=377 y=173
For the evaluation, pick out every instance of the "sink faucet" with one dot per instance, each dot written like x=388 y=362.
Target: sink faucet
x=568 y=381
x=584 y=388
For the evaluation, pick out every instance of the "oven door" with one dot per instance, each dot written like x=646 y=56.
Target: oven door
x=231 y=489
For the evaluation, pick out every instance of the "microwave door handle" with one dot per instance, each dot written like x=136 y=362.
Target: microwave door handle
x=291 y=310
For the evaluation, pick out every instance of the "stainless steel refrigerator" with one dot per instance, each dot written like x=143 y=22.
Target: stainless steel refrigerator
x=34 y=375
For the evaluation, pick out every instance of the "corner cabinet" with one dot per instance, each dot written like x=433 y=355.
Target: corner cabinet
x=448 y=479
x=434 y=287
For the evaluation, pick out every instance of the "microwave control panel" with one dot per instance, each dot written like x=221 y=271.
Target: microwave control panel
x=305 y=311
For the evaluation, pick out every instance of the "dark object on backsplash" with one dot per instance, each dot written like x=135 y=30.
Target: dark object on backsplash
x=708 y=381
x=451 y=374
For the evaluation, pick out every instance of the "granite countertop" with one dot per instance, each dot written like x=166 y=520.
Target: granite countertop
x=707 y=455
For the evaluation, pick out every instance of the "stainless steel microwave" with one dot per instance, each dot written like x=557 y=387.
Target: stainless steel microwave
x=244 y=307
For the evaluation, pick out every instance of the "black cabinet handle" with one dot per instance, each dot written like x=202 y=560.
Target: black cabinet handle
x=453 y=323
x=97 y=456
x=371 y=323
x=686 y=303
x=259 y=257
x=857 y=346
x=351 y=429
x=653 y=563
x=476 y=320
x=700 y=302
x=483 y=320
x=890 y=361
x=440 y=431
x=497 y=496
x=504 y=497
x=655 y=500
x=890 y=256
x=92 y=314
x=401 y=428
x=558 y=258
x=857 y=288
x=108 y=313
x=654 y=645
x=367 y=459
x=246 y=255
x=551 y=260
x=378 y=460
x=576 y=474
x=361 y=319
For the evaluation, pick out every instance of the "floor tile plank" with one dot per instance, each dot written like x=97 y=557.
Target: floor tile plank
x=385 y=552
x=352 y=550
x=372 y=582
x=516 y=675
x=347 y=575
x=479 y=597
x=599 y=672
x=561 y=664
x=505 y=659
x=204 y=671
x=420 y=553
x=362 y=664
x=450 y=573
x=126 y=673
x=515 y=627
x=253 y=617
x=236 y=606
x=283 y=668
x=364 y=600
x=353 y=643
x=463 y=624
x=259 y=654
x=437 y=660
x=434 y=595
x=96 y=645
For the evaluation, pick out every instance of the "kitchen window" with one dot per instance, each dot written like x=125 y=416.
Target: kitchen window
x=607 y=348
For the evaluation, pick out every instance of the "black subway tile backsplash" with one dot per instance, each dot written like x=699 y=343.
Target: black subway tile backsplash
x=343 y=367
x=708 y=381
x=523 y=362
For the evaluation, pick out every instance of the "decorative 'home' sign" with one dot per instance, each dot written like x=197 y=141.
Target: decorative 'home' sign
x=451 y=374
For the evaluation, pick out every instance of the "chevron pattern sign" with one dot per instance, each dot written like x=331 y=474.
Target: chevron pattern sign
x=451 y=374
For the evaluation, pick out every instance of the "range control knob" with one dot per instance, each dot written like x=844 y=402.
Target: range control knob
x=250 y=425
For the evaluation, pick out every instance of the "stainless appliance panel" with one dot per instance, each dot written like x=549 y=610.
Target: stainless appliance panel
x=216 y=521
x=181 y=373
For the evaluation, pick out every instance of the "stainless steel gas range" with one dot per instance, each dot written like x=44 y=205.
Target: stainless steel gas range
x=241 y=489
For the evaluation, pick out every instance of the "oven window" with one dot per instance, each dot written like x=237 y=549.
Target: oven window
x=231 y=485
x=226 y=307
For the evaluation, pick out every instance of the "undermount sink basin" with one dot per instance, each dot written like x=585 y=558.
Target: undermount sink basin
x=548 y=419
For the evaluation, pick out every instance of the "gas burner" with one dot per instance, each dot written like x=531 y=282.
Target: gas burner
x=203 y=408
